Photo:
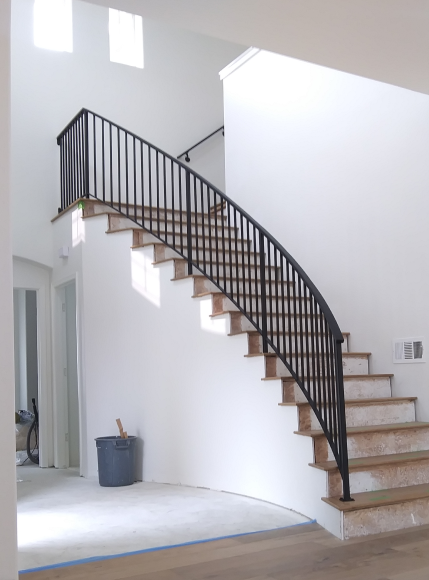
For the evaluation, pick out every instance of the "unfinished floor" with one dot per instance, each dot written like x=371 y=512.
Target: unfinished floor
x=63 y=517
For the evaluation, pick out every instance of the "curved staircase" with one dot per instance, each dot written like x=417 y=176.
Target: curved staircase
x=386 y=459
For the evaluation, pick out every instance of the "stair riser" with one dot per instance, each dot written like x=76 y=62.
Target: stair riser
x=160 y=214
x=119 y=222
x=364 y=415
x=252 y=302
x=255 y=344
x=377 y=443
x=385 y=518
x=353 y=389
x=381 y=477
x=351 y=366
x=236 y=272
x=140 y=237
x=163 y=252
x=203 y=285
x=244 y=325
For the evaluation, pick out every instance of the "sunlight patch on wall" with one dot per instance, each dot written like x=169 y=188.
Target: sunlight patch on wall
x=145 y=278
x=53 y=27
x=126 y=38
x=217 y=325
x=78 y=228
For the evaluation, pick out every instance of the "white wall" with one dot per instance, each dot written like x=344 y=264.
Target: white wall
x=150 y=355
x=8 y=550
x=173 y=102
x=335 y=167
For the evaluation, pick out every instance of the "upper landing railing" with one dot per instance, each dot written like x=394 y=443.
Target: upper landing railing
x=101 y=160
x=185 y=154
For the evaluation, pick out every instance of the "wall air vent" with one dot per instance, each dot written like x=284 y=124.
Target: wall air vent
x=408 y=350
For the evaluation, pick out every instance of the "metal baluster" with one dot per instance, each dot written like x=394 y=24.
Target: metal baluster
x=95 y=155
x=314 y=339
x=164 y=179
x=135 y=178
x=103 y=160
x=263 y=290
x=217 y=242
x=236 y=256
x=223 y=253
x=328 y=377
x=127 y=198
x=119 y=171
x=78 y=164
x=157 y=188
x=249 y=268
x=197 y=250
x=181 y=210
x=333 y=382
x=343 y=454
x=209 y=209
x=243 y=269
x=188 y=221
x=282 y=286
x=202 y=227
x=142 y=183
x=111 y=164
x=295 y=322
x=301 y=327
x=289 y=312
x=86 y=154
x=256 y=240
x=173 y=195
x=276 y=281
x=150 y=187
x=269 y=305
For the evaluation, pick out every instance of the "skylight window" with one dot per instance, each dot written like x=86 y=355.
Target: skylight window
x=126 y=38
x=53 y=27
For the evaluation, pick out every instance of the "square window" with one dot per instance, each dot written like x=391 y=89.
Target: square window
x=126 y=38
x=53 y=26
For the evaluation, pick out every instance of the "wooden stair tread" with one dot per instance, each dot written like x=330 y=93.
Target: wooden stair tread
x=346 y=377
x=372 y=499
x=358 y=402
x=344 y=354
x=177 y=248
x=360 y=463
x=255 y=332
x=371 y=429
x=233 y=278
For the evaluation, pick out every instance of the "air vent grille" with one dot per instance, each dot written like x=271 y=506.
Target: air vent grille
x=408 y=350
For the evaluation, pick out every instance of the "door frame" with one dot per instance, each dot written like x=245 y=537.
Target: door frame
x=60 y=402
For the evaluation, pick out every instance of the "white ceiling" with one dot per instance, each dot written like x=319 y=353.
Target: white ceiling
x=387 y=40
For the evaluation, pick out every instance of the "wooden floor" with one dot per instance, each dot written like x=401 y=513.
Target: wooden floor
x=301 y=553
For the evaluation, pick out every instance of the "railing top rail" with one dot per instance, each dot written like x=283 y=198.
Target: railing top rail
x=187 y=151
x=333 y=325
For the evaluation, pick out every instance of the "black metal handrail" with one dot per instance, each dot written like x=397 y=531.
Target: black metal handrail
x=187 y=158
x=216 y=237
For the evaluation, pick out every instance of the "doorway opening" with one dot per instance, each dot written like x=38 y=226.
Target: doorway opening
x=69 y=376
x=26 y=353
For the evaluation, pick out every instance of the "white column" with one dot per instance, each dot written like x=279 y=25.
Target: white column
x=8 y=549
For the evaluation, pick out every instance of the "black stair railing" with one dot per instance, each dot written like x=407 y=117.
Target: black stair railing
x=216 y=237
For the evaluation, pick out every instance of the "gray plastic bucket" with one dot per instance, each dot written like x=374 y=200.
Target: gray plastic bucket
x=116 y=461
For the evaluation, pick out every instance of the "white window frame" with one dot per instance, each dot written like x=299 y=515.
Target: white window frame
x=53 y=25
x=126 y=38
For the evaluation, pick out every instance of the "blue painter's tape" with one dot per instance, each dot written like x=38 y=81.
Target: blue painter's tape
x=158 y=549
